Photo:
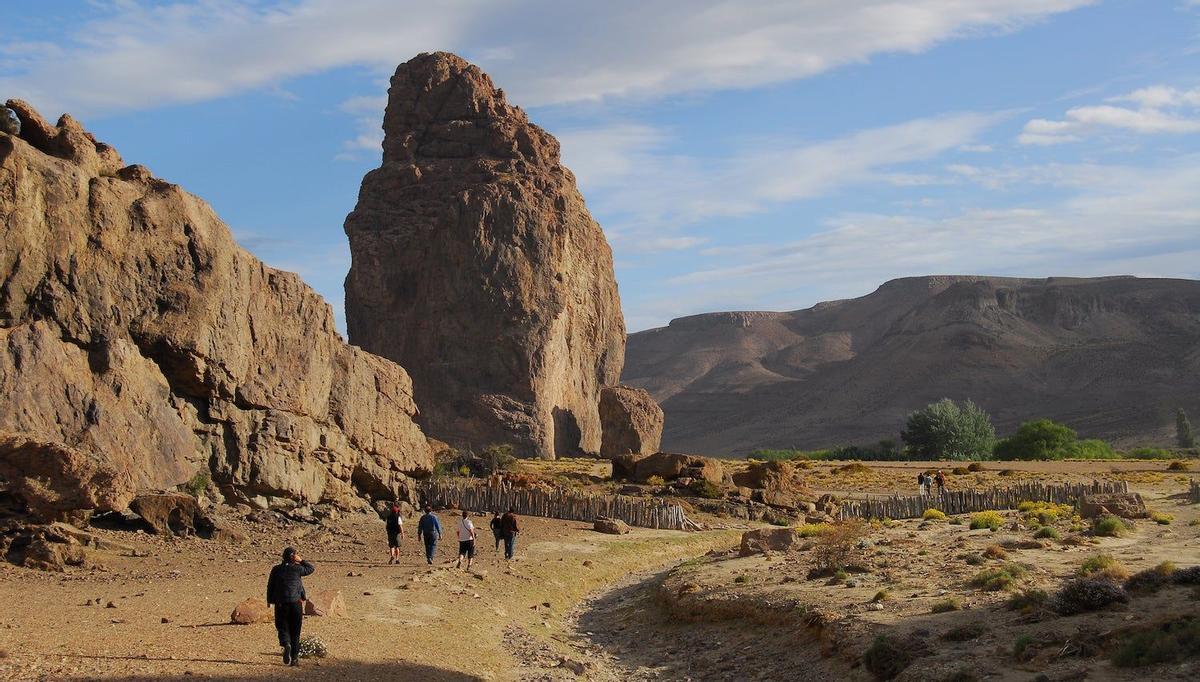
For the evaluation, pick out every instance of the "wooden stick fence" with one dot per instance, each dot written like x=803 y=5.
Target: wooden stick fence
x=971 y=500
x=557 y=504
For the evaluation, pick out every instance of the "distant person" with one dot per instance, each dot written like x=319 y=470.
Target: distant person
x=497 y=534
x=508 y=532
x=285 y=590
x=429 y=530
x=921 y=483
x=940 y=479
x=395 y=533
x=466 y=541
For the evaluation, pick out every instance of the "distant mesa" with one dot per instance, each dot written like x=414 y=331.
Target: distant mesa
x=1113 y=357
x=476 y=265
x=142 y=346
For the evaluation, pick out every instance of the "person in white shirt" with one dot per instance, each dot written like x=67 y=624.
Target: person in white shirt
x=466 y=541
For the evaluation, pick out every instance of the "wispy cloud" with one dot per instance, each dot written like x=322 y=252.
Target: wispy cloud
x=1157 y=109
x=147 y=54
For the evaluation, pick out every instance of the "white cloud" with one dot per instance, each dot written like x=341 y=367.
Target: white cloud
x=1120 y=220
x=1159 y=110
x=644 y=191
x=144 y=54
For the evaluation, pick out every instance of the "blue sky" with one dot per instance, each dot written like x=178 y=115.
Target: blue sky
x=752 y=155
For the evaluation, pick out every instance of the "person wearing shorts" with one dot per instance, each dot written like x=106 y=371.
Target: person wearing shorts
x=466 y=541
x=395 y=533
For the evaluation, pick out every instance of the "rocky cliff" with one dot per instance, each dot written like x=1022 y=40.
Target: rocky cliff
x=140 y=345
x=477 y=266
x=1111 y=357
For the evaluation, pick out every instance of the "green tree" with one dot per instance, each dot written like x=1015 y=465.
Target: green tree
x=1038 y=439
x=948 y=430
x=1183 y=430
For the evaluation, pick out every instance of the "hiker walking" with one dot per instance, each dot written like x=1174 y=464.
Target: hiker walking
x=497 y=534
x=940 y=479
x=429 y=529
x=466 y=541
x=921 y=483
x=285 y=590
x=508 y=532
x=395 y=533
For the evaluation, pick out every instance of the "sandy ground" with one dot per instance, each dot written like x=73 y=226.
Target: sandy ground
x=406 y=622
x=575 y=605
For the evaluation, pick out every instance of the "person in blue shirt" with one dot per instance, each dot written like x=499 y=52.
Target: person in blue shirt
x=429 y=529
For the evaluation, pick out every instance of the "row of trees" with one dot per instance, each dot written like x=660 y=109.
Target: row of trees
x=950 y=430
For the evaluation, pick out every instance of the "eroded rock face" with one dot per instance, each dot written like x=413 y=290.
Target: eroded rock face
x=476 y=265
x=139 y=344
x=631 y=422
x=667 y=466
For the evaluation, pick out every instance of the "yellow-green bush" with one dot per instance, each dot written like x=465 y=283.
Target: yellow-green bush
x=934 y=515
x=1001 y=578
x=1109 y=526
x=809 y=530
x=987 y=519
x=1161 y=518
x=1103 y=565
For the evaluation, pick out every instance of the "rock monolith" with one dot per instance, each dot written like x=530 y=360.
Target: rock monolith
x=476 y=265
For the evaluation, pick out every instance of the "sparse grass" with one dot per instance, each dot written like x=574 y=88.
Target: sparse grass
x=960 y=471
x=1109 y=527
x=945 y=605
x=886 y=657
x=975 y=466
x=974 y=559
x=1021 y=645
x=933 y=515
x=706 y=489
x=1178 y=465
x=1008 y=472
x=1151 y=579
x=965 y=632
x=835 y=548
x=1047 y=532
x=1194 y=522
x=1001 y=578
x=197 y=484
x=995 y=552
x=1027 y=601
x=955 y=521
x=742 y=578
x=851 y=468
x=882 y=595
x=1161 y=518
x=1170 y=642
x=987 y=519
x=1103 y=566
x=656 y=481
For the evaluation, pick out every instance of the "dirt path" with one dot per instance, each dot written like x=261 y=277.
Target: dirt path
x=407 y=622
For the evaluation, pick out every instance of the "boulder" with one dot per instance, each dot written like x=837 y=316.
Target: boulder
x=325 y=603
x=765 y=540
x=474 y=262
x=611 y=526
x=631 y=422
x=252 y=610
x=765 y=475
x=140 y=345
x=1125 y=505
x=668 y=466
x=167 y=513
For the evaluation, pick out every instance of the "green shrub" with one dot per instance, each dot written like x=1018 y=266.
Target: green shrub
x=986 y=519
x=706 y=489
x=933 y=515
x=1087 y=594
x=1027 y=601
x=1020 y=645
x=1170 y=642
x=655 y=480
x=965 y=632
x=1103 y=565
x=882 y=595
x=887 y=657
x=743 y=578
x=973 y=559
x=808 y=530
x=1109 y=527
x=1150 y=453
x=1001 y=578
x=1039 y=439
x=1091 y=448
x=948 y=430
x=197 y=484
x=944 y=605
x=1046 y=532
x=1161 y=518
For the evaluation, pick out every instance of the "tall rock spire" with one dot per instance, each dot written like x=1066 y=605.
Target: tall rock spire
x=477 y=265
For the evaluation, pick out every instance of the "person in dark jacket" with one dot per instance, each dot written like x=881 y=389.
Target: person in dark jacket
x=508 y=531
x=395 y=533
x=497 y=535
x=285 y=590
x=429 y=529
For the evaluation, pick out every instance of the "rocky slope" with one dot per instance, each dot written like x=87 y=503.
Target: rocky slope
x=140 y=345
x=1112 y=357
x=476 y=265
